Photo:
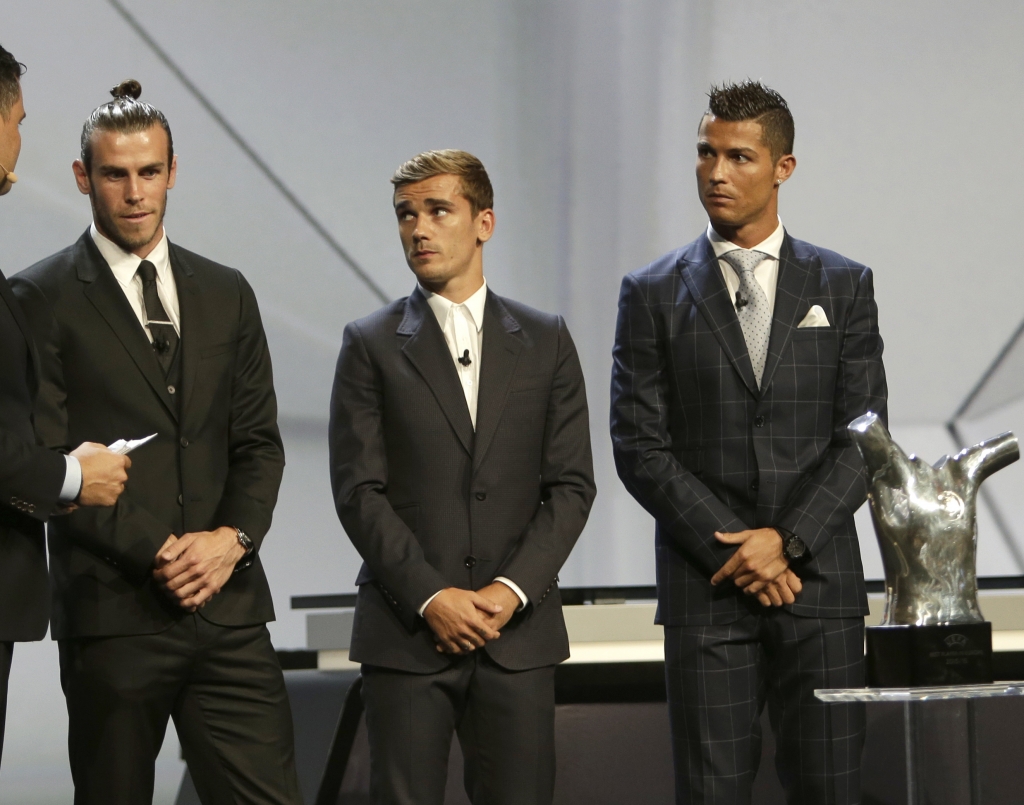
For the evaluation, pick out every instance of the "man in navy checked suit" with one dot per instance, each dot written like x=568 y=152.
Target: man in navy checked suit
x=738 y=447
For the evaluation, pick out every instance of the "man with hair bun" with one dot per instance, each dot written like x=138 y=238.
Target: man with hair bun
x=739 y=361
x=35 y=482
x=462 y=473
x=161 y=603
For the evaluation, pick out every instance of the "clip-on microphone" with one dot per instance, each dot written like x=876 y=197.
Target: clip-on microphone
x=741 y=302
x=11 y=176
x=465 y=360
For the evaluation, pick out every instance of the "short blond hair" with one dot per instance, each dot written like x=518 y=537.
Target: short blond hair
x=476 y=184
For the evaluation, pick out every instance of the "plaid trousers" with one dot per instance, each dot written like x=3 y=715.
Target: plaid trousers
x=718 y=679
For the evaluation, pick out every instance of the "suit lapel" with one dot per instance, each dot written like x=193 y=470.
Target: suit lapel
x=703 y=278
x=790 y=299
x=428 y=352
x=498 y=361
x=192 y=335
x=19 y=317
x=104 y=291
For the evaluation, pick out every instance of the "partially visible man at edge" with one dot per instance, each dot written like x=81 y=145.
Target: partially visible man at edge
x=34 y=482
x=161 y=605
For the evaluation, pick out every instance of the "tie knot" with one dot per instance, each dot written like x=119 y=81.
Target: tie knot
x=147 y=271
x=744 y=260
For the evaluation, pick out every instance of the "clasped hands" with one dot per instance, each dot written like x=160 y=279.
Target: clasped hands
x=758 y=567
x=193 y=568
x=463 y=620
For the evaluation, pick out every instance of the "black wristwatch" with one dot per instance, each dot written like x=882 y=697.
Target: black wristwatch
x=250 y=550
x=793 y=548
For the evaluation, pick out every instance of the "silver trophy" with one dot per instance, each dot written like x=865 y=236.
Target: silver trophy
x=925 y=522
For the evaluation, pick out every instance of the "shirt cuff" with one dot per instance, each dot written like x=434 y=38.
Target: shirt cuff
x=516 y=589
x=72 y=481
x=426 y=603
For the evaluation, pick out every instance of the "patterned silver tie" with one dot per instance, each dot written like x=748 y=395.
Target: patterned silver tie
x=752 y=307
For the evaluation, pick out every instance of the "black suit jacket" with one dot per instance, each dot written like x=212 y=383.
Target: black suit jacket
x=703 y=450
x=31 y=478
x=430 y=504
x=217 y=459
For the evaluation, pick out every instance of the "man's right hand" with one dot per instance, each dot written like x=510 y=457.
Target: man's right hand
x=458 y=619
x=782 y=590
x=104 y=474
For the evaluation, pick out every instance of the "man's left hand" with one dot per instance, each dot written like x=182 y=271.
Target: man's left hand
x=195 y=567
x=757 y=561
x=501 y=593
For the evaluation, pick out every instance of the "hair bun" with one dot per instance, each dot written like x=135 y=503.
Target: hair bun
x=127 y=89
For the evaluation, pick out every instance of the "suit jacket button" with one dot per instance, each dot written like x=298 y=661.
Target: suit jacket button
x=481 y=496
x=31 y=507
x=759 y=422
x=171 y=389
x=755 y=484
x=471 y=561
x=184 y=442
x=181 y=500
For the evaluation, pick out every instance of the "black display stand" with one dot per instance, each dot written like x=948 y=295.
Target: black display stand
x=913 y=656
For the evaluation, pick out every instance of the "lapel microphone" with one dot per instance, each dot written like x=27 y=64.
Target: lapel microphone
x=465 y=359
x=741 y=302
x=11 y=177
x=160 y=344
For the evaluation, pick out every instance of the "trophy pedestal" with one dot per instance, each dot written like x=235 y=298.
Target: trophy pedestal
x=912 y=656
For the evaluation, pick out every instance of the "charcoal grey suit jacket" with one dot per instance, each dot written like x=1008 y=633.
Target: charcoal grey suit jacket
x=430 y=504
x=704 y=450
x=217 y=459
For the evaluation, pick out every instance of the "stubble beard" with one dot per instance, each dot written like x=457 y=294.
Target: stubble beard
x=108 y=226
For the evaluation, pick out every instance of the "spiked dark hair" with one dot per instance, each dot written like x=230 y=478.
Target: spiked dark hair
x=11 y=71
x=125 y=114
x=752 y=100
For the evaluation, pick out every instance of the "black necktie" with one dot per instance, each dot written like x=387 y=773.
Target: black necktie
x=165 y=338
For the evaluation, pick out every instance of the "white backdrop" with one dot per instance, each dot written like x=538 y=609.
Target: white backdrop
x=585 y=111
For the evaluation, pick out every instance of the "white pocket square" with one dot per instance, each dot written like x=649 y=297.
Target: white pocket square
x=815 y=318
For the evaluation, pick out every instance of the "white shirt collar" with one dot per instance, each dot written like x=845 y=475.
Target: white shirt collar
x=475 y=305
x=771 y=245
x=125 y=264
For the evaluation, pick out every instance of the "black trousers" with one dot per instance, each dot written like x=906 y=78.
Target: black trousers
x=6 y=652
x=222 y=686
x=718 y=679
x=505 y=721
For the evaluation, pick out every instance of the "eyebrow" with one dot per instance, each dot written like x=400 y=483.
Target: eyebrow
x=121 y=169
x=434 y=202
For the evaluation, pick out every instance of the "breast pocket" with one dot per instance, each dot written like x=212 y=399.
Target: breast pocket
x=214 y=350
x=815 y=346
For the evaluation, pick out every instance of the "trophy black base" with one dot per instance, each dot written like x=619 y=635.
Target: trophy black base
x=927 y=656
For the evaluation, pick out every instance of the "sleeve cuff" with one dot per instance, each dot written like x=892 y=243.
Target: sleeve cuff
x=72 y=480
x=426 y=603
x=516 y=589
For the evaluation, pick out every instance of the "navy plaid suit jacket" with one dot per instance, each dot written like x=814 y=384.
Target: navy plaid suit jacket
x=703 y=450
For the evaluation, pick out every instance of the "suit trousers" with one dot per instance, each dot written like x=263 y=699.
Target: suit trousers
x=6 y=652
x=505 y=721
x=222 y=686
x=718 y=679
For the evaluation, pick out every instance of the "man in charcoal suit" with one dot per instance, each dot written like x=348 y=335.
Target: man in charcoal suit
x=739 y=360
x=161 y=603
x=462 y=473
x=34 y=482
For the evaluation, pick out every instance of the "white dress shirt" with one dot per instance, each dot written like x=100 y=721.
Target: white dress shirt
x=463 y=328
x=766 y=272
x=125 y=266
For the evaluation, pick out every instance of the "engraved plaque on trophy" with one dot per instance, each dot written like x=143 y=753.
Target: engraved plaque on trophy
x=933 y=632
